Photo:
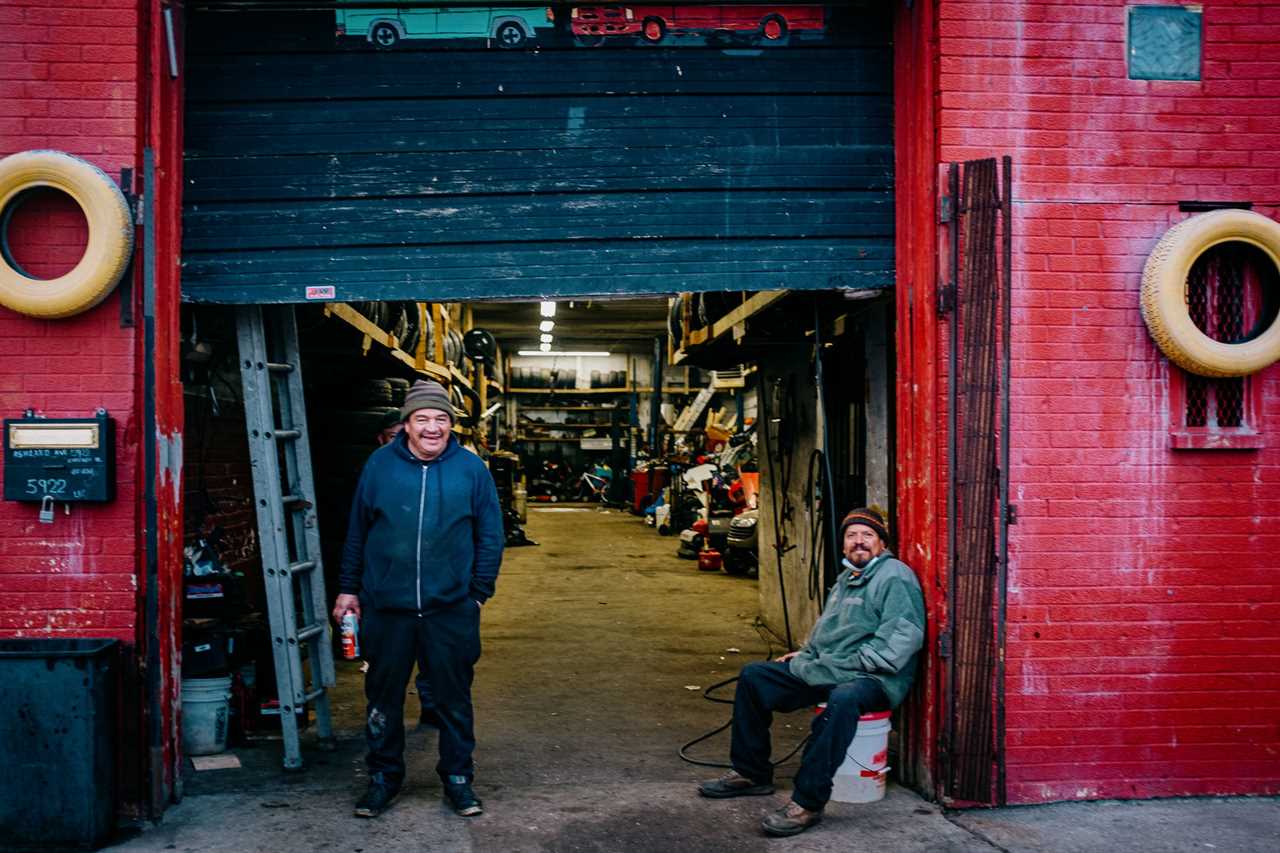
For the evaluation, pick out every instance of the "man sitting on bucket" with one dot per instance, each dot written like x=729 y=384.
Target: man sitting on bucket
x=860 y=658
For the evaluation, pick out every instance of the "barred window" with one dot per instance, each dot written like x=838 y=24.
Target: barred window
x=1230 y=291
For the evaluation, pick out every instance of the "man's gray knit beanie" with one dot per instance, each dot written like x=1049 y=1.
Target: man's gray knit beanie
x=426 y=394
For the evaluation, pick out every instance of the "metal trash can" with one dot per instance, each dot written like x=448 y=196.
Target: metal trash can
x=57 y=735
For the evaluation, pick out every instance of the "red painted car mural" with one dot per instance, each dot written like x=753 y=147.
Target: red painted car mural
x=768 y=23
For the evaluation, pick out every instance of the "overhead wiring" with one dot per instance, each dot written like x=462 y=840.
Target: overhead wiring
x=777 y=424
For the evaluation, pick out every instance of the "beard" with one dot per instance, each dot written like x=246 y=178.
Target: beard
x=859 y=559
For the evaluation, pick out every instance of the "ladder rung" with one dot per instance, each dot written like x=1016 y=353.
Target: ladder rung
x=302 y=566
x=287 y=434
x=292 y=499
x=276 y=367
x=310 y=631
x=315 y=694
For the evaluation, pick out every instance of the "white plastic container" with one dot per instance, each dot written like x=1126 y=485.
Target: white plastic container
x=520 y=500
x=861 y=778
x=205 y=712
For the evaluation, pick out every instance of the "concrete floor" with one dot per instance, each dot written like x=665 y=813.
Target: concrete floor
x=583 y=695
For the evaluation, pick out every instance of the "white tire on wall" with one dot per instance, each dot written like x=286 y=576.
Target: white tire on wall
x=1164 y=294
x=109 y=246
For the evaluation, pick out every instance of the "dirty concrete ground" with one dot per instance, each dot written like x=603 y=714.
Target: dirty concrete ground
x=582 y=698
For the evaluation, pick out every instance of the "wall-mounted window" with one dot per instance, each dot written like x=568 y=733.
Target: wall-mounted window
x=1164 y=42
x=1228 y=291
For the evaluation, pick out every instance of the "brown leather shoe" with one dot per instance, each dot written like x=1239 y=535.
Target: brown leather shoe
x=733 y=784
x=791 y=819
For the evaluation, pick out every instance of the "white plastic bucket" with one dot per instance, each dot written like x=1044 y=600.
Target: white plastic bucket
x=861 y=778
x=205 y=712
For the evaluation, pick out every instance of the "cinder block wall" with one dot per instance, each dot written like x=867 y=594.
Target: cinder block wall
x=1144 y=582
x=68 y=74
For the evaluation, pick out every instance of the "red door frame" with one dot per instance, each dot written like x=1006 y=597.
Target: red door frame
x=919 y=523
x=160 y=96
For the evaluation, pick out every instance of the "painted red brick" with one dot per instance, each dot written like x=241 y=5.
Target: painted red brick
x=72 y=88
x=1144 y=599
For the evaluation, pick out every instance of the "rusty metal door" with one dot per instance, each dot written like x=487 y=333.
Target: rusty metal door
x=975 y=303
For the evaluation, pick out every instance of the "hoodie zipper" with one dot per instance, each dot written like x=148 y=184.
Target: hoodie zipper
x=422 y=501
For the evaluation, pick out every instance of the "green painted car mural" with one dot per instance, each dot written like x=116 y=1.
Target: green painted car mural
x=507 y=27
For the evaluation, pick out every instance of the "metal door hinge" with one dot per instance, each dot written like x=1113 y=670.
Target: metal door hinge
x=946 y=298
x=946 y=209
x=944 y=644
x=1011 y=514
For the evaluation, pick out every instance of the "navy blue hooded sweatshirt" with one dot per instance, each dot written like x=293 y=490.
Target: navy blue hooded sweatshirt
x=422 y=535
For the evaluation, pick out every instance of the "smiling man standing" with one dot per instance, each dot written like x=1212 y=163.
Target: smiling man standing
x=860 y=658
x=423 y=548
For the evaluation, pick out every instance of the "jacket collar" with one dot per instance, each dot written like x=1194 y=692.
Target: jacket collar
x=857 y=577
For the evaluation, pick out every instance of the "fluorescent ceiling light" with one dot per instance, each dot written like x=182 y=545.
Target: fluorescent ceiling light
x=546 y=339
x=545 y=349
x=546 y=325
x=548 y=309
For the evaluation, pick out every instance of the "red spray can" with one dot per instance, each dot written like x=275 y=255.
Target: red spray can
x=350 y=636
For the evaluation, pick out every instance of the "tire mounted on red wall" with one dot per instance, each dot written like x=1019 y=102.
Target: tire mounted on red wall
x=110 y=241
x=1164 y=294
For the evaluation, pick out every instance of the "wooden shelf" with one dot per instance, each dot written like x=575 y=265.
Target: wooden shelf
x=363 y=324
x=551 y=407
x=570 y=426
x=705 y=335
x=541 y=438
x=456 y=375
x=571 y=392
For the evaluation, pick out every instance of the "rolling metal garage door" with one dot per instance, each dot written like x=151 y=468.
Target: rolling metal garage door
x=445 y=167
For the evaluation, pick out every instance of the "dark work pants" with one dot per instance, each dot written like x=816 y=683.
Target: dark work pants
x=423 y=685
x=765 y=687
x=449 y=641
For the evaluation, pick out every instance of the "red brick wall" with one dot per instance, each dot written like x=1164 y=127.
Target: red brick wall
x=68 y=73
x=1144 y=586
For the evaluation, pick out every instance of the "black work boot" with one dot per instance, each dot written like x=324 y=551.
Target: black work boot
x=464 y=800
x=733 y=784
x=791 y=819
x=376 y=800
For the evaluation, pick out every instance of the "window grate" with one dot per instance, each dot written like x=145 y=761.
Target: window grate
x=1216 y=304
x=1197 y=414
x=1229 y=393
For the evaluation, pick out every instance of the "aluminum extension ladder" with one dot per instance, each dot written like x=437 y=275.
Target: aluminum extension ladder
x=288 y=531
x=690 y=415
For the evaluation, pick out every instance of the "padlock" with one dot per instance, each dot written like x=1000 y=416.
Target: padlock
x=46 y=510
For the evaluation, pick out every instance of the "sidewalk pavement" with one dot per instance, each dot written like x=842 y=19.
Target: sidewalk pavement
x=666 y=818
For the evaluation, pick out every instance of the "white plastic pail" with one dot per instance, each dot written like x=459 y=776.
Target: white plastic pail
x=861 y=778
x=204 y=715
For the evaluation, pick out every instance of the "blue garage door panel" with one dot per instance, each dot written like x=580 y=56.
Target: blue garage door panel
x=449 y=169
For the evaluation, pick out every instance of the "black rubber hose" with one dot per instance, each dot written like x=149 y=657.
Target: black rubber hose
x=777 y=521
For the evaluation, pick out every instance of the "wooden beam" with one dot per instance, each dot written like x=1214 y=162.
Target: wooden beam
x=372 y=332
x=744 y=312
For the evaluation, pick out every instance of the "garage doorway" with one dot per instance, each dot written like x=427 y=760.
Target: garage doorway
x=716 y=159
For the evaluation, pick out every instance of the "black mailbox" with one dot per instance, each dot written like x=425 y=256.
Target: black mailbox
x=71 y=460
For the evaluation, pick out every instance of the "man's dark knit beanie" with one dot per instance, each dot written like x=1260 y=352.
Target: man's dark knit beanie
x=426 y=394
x=869 y=517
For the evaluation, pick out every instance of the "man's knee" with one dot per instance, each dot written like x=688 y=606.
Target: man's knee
x=854 y=697
x=754 y=673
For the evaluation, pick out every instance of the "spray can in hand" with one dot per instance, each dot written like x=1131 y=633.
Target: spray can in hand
x=350 y=636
